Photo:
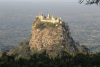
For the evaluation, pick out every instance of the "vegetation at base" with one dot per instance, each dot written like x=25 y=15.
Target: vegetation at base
x=24 y=43
x=43 y=60
x=23 y=50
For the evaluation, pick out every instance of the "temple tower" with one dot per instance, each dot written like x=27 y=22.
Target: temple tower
x=41 y=13
x=48 y=15
x=52 y=18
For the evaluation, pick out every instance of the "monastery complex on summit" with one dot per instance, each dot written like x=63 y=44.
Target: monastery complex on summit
x=50 y=19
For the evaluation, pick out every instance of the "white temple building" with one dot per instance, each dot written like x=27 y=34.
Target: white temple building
x=50 y=19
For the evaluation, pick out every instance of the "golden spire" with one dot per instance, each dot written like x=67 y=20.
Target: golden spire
x=48 y=15
x=52 y=16
x=41 y=13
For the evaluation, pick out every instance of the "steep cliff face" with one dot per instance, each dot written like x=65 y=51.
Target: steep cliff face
x=51 y=37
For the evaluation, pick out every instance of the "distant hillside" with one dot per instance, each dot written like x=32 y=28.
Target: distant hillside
x=55 y=38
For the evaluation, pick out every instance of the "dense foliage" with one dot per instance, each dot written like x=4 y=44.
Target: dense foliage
x=42 y=25
x=23 y=50
x=90 y=2
x=43 y=60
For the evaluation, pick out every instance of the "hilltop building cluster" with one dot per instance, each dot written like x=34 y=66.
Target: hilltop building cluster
x=50 y=19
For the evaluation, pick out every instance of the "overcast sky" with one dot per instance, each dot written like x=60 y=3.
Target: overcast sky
x=39 y=0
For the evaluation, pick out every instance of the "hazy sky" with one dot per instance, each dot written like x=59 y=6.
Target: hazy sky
x=39 y=0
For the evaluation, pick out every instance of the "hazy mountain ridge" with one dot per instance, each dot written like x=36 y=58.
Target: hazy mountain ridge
x=15 y=20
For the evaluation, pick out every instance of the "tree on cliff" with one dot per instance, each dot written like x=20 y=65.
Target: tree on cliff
x=89 y=2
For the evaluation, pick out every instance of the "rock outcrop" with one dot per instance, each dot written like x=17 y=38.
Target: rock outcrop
x=52 y=37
